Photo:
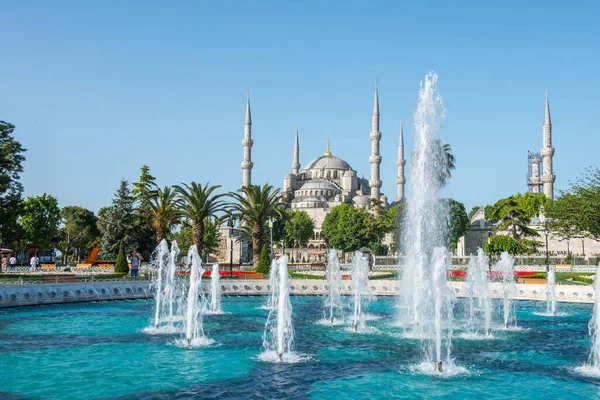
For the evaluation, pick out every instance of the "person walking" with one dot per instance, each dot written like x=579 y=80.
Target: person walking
x=4 y=263
x=135 y=264
x=12 y=263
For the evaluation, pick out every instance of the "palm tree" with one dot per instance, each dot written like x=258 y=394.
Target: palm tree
x=513 y=218
x=254 y=207
x=197 y=203
x=161 y=210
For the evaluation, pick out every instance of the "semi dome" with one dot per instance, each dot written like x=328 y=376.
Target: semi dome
x=362 y=200
x=328 y=162
x=318 y=184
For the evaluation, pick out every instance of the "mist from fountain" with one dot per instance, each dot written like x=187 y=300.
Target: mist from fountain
x=424 y=302
x=273 y=286
x=278 y=337
x=480 y=303
x=359 y=273
x=215 y=290
x=509 y=289
x=194 y=330
x=551 y=293
x=333 y=305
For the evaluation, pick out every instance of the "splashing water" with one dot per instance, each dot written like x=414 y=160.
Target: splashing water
x=360 y=281
x=509 y=289
x=215 y=290
x=551 y=294
x=278 y=337
x=333 y=304
x=194 y=331
x=425 y=304
x=169 y=290
x=592 y=367
x=480 y=304
x=274 y=286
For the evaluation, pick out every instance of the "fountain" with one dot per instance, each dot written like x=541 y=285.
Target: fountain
x=194 y=332
x=592 y=367
x=278 y=336
x=215 y=290
x=479 y=293
x=333 y=301
x=425 y=302
x=551 y=294
x=168 y=289
x=505 y=266
x=360 y=281
x=273 y=285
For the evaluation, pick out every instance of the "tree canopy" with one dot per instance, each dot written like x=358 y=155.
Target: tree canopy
x=458 y=222
x=11 y=190
x=40 y=219
x=345 y=228
x=299 y=228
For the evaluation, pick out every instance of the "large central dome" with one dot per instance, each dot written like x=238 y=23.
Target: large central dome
x=327 y=162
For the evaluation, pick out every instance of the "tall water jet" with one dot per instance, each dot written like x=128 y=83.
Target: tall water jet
x=194 y=331
x=278 y=337
x=333 y=300
x=425 y=229
x=593 y=365
x=273 y=286
x=551 y=294
x=360 y=281
x=161 y=261
x=215 y=290
x=480 y=304
x=171 y=284
x=505 y=266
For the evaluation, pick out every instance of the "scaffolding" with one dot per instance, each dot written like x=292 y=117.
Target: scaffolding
x=534 y=182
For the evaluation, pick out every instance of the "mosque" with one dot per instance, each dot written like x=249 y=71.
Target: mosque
x=328 y=180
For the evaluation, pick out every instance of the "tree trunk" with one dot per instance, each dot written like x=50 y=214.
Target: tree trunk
x=160 y=235
x=198 y=236
x=257 y=243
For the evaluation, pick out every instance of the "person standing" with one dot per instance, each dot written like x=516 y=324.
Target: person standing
x=4 y=263
x=135 y=264
x=33 y=263
x=12 y=263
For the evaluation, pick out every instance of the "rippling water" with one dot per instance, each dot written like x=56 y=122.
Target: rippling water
x=99 y=350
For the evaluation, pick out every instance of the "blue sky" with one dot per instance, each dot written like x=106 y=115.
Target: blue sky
x=97 y=89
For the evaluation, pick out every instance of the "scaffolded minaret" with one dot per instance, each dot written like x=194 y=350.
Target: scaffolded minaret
x=296 y=162
x=547 y=152
x=247 y=163
x=401 y=180
x=375 y=159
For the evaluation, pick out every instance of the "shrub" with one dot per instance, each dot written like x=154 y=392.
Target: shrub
x=264 y=264
x=121 y=266
x=583 y=279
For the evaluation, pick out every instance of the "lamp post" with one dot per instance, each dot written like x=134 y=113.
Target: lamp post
x=271 y=229
x=230 y=223
x=546 y=233
x=489 y=242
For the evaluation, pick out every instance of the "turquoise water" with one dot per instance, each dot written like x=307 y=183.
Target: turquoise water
x=99 y=350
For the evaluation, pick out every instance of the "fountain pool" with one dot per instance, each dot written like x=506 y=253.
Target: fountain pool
x=99 y=350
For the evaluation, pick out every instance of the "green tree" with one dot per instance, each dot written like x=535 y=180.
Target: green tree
x=264 y=264
x=120 y=222
x=41 y=217
x=122 y=266
x=145 y=187
x=299 y=229
x=473 y=211
x=345 y=228
x=458 y=222
x=161 y=210
x=531 y=203
x=503 y=243
x=254 y=206
x=211 y=236
x=80 y=232
x=567 y=217
x=197 y=204
x=513 y=218
x=183 y=237
x=11 y=190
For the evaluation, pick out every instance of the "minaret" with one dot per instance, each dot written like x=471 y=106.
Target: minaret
x=296 y=163
x=375 y=159
x=247 y=163
x=400 y=180
x=547 y=152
